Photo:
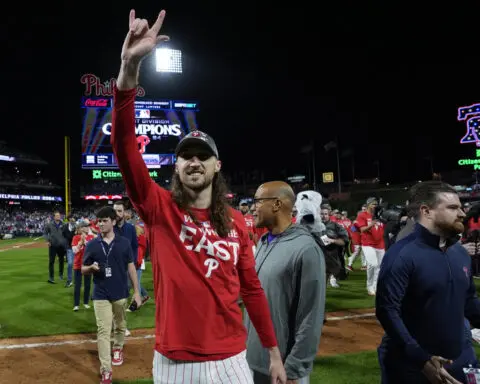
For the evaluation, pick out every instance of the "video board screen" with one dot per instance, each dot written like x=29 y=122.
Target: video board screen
x=159 y=126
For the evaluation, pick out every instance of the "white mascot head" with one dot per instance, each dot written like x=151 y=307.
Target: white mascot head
x=308 y=210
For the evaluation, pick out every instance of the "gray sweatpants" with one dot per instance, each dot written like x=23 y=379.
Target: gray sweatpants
x=260 y=378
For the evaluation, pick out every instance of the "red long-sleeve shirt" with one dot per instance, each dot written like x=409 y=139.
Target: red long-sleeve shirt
x=198 y=275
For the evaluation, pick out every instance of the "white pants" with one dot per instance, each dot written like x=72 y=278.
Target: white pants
x=233 y=370
x=357 y=250
x=373 y=258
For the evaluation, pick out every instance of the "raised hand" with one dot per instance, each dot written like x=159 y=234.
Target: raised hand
x=141 y=39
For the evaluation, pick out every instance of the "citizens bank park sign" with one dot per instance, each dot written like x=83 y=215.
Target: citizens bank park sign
x=470 y=115
x=95 y=87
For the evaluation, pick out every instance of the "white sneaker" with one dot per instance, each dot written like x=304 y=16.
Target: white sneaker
x=333 y=282
x=476 y=334
x=86 y=306
x=127 y=332
x=75 y=308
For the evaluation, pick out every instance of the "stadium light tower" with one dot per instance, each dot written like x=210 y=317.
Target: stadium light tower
x=168 y=60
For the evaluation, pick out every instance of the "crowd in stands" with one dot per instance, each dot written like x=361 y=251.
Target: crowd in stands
x=19 y=223
x=32 y=223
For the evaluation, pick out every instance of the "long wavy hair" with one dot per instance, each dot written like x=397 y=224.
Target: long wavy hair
x=219 y=212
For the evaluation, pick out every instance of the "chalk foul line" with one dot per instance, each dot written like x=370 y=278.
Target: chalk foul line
x=350 y=317
x=66 y=342
x=17 y=246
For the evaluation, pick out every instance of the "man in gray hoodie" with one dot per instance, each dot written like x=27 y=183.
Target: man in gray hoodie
x=57 y=245
x=291 y=268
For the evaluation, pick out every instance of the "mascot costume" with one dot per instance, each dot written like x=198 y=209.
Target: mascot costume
x=308 y=206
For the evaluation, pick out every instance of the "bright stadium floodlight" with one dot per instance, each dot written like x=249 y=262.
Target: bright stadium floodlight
x=168 y=60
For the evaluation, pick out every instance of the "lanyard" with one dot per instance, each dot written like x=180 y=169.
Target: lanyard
x=109 y=250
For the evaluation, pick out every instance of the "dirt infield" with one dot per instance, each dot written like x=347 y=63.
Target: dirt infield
x=73 y=358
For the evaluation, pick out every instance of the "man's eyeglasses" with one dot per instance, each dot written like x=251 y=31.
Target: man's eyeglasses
x=258 y=201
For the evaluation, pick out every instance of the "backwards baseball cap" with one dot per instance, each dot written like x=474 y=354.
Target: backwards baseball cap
x=83 y=223
x=197 y=139
x=372 y=200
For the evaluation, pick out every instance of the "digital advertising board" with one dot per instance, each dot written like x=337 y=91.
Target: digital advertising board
x=159 y=125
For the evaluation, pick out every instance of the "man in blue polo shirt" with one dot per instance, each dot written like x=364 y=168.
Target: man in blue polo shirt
x=109 y=257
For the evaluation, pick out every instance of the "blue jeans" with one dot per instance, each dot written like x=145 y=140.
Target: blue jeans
x=143 y=291
x=87 y=280
x=70 y=257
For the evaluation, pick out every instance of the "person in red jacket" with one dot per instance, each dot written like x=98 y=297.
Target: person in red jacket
x=79 y=242
x=373 y=245
x=249 y=220
x=201 y=253
x=356 y=241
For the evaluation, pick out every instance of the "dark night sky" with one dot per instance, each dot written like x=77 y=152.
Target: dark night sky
x=387 y=80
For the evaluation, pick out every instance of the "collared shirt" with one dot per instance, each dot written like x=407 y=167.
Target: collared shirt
x=110 y=282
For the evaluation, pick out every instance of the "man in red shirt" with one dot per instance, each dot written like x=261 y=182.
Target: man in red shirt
x=356 y=239
x=344 y=221
x=201 y=253
x=249 y=220
x=373 y=246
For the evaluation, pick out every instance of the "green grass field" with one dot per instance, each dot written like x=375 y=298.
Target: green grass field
x=36 y=308
x=27 y=295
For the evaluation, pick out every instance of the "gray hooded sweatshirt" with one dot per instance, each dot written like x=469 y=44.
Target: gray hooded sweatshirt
x=292 y=272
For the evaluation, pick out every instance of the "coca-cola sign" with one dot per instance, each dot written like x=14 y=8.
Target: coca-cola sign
x=95 y=87
x=98 y=103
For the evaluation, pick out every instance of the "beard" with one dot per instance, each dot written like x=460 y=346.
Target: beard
x=451 y=229
x=196 y=182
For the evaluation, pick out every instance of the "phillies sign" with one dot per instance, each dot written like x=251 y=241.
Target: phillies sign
x=95 y=87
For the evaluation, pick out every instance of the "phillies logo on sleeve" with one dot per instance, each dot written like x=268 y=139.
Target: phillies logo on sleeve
x=205 y=242
x=142 y=142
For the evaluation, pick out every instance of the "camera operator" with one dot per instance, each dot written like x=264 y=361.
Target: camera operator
x=471 y=238
x=334 y=238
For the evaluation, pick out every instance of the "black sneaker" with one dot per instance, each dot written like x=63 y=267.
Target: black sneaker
x=51 y=281
x=68 y=284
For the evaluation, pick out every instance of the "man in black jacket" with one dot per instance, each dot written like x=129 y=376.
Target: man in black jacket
x=56 y=246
